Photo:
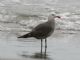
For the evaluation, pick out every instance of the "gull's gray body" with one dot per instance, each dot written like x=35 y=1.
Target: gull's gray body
x=43 y=30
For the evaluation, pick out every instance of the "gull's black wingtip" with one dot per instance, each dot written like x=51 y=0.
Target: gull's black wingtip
x=19 y=37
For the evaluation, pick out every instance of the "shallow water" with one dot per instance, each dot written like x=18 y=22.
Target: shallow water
x=61 y=46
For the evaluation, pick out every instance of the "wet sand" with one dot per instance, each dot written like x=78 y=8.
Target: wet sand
x=62 y=45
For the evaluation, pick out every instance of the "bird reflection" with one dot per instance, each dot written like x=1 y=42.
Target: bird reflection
x=40 y=55
x=37 y=55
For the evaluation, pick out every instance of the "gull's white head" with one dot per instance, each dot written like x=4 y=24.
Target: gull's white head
x=53 y=16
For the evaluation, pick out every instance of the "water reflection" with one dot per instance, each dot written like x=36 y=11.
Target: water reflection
x=40 y=55
x=37 y=55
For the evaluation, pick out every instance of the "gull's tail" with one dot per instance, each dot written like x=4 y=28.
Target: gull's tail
x=25 y=36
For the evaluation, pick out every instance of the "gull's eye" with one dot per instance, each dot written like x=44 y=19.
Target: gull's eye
x=53 y=15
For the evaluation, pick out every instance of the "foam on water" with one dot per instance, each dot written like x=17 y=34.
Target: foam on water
x=24 y=14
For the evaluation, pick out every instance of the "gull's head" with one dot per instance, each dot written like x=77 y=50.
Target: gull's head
x=53 y=16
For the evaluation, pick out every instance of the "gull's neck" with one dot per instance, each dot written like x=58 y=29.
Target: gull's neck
x=51 y=23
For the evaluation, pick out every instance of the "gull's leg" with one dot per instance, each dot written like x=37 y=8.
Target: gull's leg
x=45 y=47
x=41 y=46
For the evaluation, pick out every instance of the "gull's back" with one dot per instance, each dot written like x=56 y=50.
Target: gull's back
x=42 y=31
